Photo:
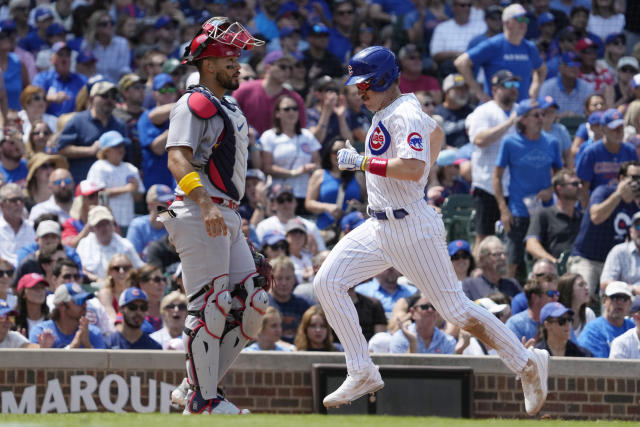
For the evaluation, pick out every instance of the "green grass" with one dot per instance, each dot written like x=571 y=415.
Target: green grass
x=264 y=420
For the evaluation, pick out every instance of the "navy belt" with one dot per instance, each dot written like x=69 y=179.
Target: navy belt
x=382 y=215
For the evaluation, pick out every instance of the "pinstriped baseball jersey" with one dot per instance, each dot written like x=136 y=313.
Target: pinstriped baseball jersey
x=187 y=130
x=399 y=130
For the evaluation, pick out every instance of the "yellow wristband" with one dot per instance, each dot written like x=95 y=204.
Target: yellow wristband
x=189 y=182
x=364 y=163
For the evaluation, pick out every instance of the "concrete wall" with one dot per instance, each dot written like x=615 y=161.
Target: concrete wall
x=281 y=382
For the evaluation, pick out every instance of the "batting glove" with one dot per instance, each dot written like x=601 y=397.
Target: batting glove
x=349 y=159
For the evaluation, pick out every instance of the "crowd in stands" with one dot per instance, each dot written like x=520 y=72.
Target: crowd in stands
x=539 y=101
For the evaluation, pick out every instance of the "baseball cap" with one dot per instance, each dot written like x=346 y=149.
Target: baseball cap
x=451 y=81
x=449 y=157
x=130 y=295
x=30 y=280
x=6 y=309
x=272 y=237
x=99 y=213
x=129 y=79
x=55 y=29
x=256 y=173
x=547 y=102
x=71 y=292
x=584 y=43
x=162 y=80
x=525 y=106
x=457 y=246
x=325 y=83
x=553 y=309
x=8 y=26
x=545 y=18
x=277 y=55
x=570 y=59
x=87 y=188
x=163 y=21
x=48 y=227
x=407 y=50
x=170 y=65
x=629 y=61
x=491 y=305
x=635 y=305
x=287 y=31
x=18 y=3
x=287 y=8
x=319 y=29
x=85 y=56
x=280 y=189
x=595 y=118
x=295 y=224
x=635 y=217
x=102 y=87
x=112 y=138
x=42 y=14
x=612 y=118
x=635 y=81
x=58 y=46
x=159 y=193
x=614 y=36
x=493 y=10
x=618 y=288
x=503 y=76
x=351 y=221
x=513 y=11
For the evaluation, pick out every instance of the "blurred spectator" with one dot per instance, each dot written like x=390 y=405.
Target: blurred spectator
x=9 y=338
x=539 y=291
x=13 y=168
x=564 y=42
x=265 y=19
x=421 y=335
x=41 y=166
x=412 y=79
x=153 y=128
x=61 y=186
x=15 y=232
x=488 y=124
x=574 y=294
x=290 y=153
x=86 y=196
x=270 y=333
x=53 y=34
x=296 y=236
x=622 y=92
x=166 y=35
x=357 y=116
x=421 y=22
x=385 y=288
x=6 y=278
x=162 y=253
x=68 y=323
x=364 y=35
x=281 y=297
x=451 y=38
x=371 y=315
x=46 y=248
x=19 y=12
x=591 y=70
x=15 y=74
x=604 y=19
x=112 y=51
x=121 y=180
x=551 y=126
x=329 y=184
x=523 y=58
x=555 y=323
x=598 y=334
x=131 y=88
x=493 y=20
x=255 y=204
x=150 y=279
x=599 y=163
x=327 y=116
x=553 y=229
x=455 y=109
x=153 y=62
x=579 y=18
x=40 y=139
x=492 y=260
x=542 y=268
x=594 y=102
x=97 y=248
x=86 y=64
x=475 y=347
x=623 y=260
x=283 y=204
x=627 y=345
x=36 y=38
x=114 y=284
x=145 y=229
x=34 y=104
x=79 y=140
x=449 y=181
x=339 y=34
x=32 y=308
x=129 y=334
x=318 y=61
x=567 y=5
x=545 y=27
x=274 y=244
x=567 y=90
x=60 y=83
x=531 y=156
x=174 y=311
x=314 y=332
x=257 y=96
x=605 y=223
x=461 y=258
x=614 y=50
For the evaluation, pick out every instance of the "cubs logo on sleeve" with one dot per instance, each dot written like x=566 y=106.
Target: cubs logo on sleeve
x=415 y=141
x=379 y=140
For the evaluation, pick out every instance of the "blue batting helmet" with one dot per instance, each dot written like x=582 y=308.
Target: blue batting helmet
x=374 y=65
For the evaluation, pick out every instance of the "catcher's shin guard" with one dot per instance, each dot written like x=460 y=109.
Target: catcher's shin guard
x=203 y=341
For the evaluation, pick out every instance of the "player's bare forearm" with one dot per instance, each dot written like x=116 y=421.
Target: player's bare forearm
x=538 y=77
x=497 y=188
x=435 y=144
x=403 y=169
x=536 y=249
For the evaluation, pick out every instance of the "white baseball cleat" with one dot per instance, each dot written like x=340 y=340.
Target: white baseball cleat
x=355 y=386
x=196 y=404
x=534 y=380
x=179 y=394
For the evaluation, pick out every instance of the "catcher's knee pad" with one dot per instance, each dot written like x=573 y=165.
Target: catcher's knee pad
x=203 y=341
x=256 y=303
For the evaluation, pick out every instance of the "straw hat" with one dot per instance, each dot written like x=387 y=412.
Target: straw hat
x=39 y=159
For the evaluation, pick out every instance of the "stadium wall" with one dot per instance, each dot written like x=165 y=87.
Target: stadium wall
x=81 y=380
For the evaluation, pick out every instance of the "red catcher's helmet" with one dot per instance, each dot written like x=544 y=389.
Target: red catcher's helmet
x=219 y=38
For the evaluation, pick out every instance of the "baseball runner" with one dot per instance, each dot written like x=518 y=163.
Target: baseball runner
x=207 y=155
x=404 y=232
